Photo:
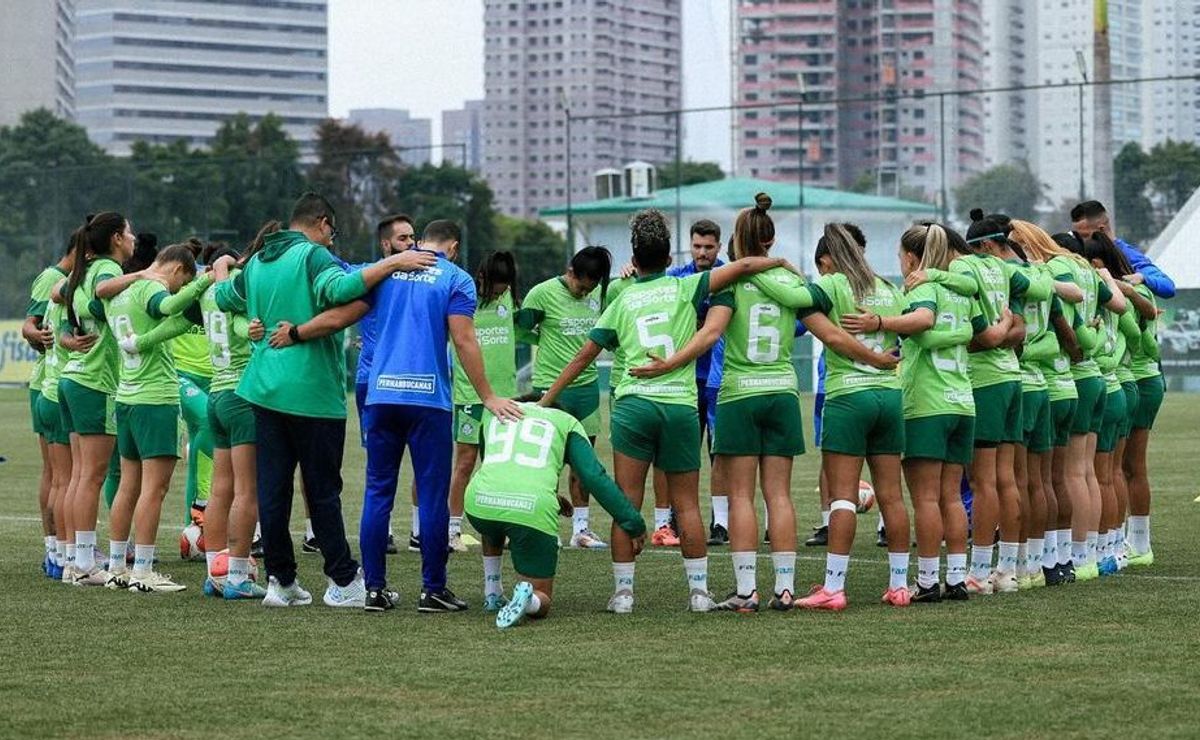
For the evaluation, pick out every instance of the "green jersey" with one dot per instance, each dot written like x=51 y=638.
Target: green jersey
x=228 y=350
x=96 y=368
x=656 y=316
x=935 y=379
x=835 y=299
x=498 y=345
x=1144 y=354
x=191 y=350
x=1095 y=292
x=759 y=338
x=1041 y=343
x=150 y=378
x=562 y=322
x=39 y=300
x=56 y=355
x=615 y=288
x=1000 y=286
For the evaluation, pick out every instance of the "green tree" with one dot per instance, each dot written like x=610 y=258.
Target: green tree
x=260 y=174
x=1134 y=213
x=539 y=249
x=1173 y=170
x=1007 y=188
x=690 y=173
x=177 y=191
x=448 y=191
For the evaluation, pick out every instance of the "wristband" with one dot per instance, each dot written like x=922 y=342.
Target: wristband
x=294 y=334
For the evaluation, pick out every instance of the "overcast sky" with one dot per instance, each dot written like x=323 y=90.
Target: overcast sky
x=427 y=56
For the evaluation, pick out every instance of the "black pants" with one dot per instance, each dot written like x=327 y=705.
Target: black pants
x=285 y=440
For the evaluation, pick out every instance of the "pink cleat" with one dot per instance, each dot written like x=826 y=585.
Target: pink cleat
x=897 y=597
x=819 y=598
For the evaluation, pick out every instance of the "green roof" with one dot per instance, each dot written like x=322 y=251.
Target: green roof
x=738 y=192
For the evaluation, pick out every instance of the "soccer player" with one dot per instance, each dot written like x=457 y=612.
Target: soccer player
x=563 y=310
x=1147 y=374
x=654 y=420
x=87 y=385
x=298 y=396
x=192 y=363
x=513 y=499
x=1090 y=216
x=496 y=289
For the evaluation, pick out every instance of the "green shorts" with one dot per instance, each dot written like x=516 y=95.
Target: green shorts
x=1150 y=399
x=582 y=402
x=946 y=437
x=231 y=419
x=866 y=422
x=1062 y=412
x=85 y=410
x=1035 y=418
x=666 y=434
x=1114 y=415
x=467 y=423
x=145 y=432
x=767 y=424
x=1132 y=399
x=50 y=421
x=534 y=553
x=200 y=381
x=34 y=419
x=998 y=414
x=1089 y=414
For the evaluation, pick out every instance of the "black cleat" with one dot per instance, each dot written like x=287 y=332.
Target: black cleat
x=820 y=537
x=881 y=537
x=957 y=592
x=1054 y=576
x=310 y=545
x=718 y=535
x=380 y=600
x=440 y=601
x=256 y=548
x=931 y=595
x=1068 y=571
x=414 y=543
x=391 y=545
x=766 y=536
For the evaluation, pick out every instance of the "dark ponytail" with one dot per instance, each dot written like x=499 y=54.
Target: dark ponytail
x=93 y=239
x=498 y=267
x=1100 y=247
x=593 y=263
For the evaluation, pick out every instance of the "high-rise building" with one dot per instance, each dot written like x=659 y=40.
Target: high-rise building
x=878 y=59
x=411 y=136
x=595 y=58
x=464 y=127
x=1010 y=43
x=165 y=70
x=36 y=58
x=1170 y=46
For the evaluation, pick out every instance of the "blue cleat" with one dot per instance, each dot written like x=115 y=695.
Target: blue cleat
x=1108 y=566
x=492 y=603
x=512 y=612
x=245 y=590
x=213 y=586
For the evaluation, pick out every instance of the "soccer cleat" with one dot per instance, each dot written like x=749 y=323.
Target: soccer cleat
x=1003 y=583
x=97 y=576
x=783 y=602
x=414 y=543
x=923 y=595
x=68 y=574
x=469 y=540
x=245 y=590
x=587 y=540
x=740 y=604
x=700 y=602
x=881 y=537
x=391 y=548
x=1141 y=559
x=456 y=543
x=1087 y=572
x=820 y=537
x=819 y=598
x=440 y=601
x=380 y=600
x=662 y=537
x=511 y=613
x=256 y=547
x=56 y=572
x=979 y=587
x=283 y=596
x=957 y=592
x=621 y=602
x=897 y=596
x=1054 y=576
x=214 y=586
x=1108 y=566
x=1068 y=570
x=309 y=545
x=154 y=582
x=118 y=580
x=1037 y=580
x=493 y=602
x=718 y=535
x=353 y=594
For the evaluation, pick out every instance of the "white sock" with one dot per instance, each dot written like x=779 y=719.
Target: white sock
x=390 y=532
x=534 y=605
x=956 y=568
x=898 y=565
x=239 y=570
x=1050 y=549
x=1064 y=546
x=927 y=572
x=1101 y=546
x=143 y=558
x=116 y=555
x=1139 y=534
x=415 y=527
x=623 y=576
x=785 y=571
x=1093 y=546
x=455 y=525
x=981 y=561
x=210 y=559
x=258 y=530
x=60 y=556
x=696 y=570
x=70 y=554
x=662 y=517
x=1037 y=550
x=491 y=576
x=879 y=524
x=308 y=533
x=49 y=541
x=579 y=520
x=1007 y=562
x=825 y=518
x=745 y=565
x=835 y=571
x=1022 y=558
x=85 y=550
x=720 y=510
x=1079 y=554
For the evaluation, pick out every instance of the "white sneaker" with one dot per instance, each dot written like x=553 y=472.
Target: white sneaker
x=1004 y=583
x=97 y=576
x=353 y=594
x=153 y=582
x=118 y=580
x=457 y=544
x=69 y=573
x=701 y=601
x=283 y=596
x=586 y=539
x=621 y=602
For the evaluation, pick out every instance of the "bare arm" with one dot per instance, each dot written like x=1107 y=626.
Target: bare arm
x=703 y=340
x=112 y=287
x=841 y=342
x=1141 y=304
x=1069 y=292
x=38 y=337
x=1116 y=304
x=993 y=336
x=323 y=324
x=726 y=275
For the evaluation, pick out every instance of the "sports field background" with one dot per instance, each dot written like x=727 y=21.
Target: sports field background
x=1114 y=658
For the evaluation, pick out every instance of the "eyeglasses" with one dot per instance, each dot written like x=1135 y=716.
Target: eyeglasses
x=333 y=231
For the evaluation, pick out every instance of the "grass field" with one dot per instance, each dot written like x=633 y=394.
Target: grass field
x=1116 y=658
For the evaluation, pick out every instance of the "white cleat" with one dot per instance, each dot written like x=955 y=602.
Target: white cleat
x=284 y=596
x=701 y=602
x=587 y=540
x=1003 y=583
x=457 y=544
x=153 y=582
x=69 y=573
x=118 y=580
x=353 y=594
x=97 y=576
x=621 y=602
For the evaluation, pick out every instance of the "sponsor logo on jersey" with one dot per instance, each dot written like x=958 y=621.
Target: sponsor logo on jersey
x=502 y=311
x=407 y=383
x=510 y=501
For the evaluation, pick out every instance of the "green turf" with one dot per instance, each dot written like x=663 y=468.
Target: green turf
x=1116 y=658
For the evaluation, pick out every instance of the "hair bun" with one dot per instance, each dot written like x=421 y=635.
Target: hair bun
x=976 y=214
x=762 y=202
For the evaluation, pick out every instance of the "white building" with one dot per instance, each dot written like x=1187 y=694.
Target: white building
x=1009 y=27
x=412 y=136
x=37 y=68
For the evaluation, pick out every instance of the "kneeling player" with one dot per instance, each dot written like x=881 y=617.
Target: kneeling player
x=513 y=497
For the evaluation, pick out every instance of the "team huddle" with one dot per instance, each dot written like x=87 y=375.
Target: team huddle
x=1010 y=382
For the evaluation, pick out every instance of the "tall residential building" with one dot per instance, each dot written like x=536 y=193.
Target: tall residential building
x=1009 y=28
x=1171 y=46
x=411 y=136
x=37 y=67
x=464 y=127
x=595 y=58
x=876 y=57
x=165 y=70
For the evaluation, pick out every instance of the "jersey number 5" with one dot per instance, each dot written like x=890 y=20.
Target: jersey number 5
x=649 y=341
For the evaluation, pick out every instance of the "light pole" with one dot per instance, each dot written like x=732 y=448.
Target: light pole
x=1083 y=82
